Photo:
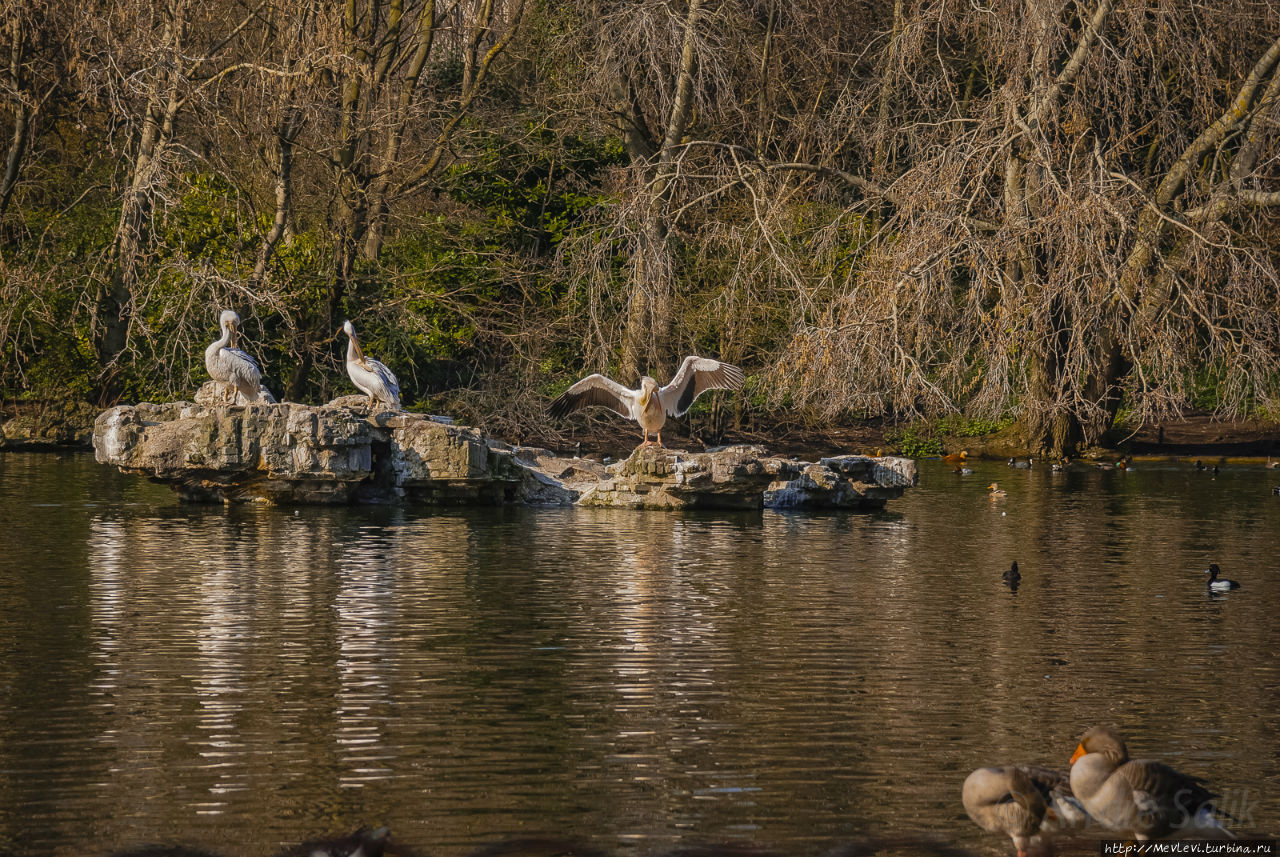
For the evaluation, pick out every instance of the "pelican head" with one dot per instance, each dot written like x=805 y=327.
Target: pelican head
x=349 y=329
x=648 y=386
x=229 y=319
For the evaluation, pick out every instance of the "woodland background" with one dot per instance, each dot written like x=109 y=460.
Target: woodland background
x=1060 y=215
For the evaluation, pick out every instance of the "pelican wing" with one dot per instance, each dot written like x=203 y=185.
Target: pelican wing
x=594 y=390
x=246 y=362
x=696 y=376
x=385 y=375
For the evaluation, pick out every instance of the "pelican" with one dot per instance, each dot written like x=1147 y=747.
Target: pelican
x=1145 y=798
x=235 y=370
x=651 y=405
x=372 y=378
x=1026 y=802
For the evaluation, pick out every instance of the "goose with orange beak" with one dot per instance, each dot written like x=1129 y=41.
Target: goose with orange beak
x=1140 y=797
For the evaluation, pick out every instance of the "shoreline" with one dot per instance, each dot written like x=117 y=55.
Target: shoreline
x=68 y=427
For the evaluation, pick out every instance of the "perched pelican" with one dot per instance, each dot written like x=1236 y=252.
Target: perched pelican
x=1219 y=584
x=235 y=370
x=371 y=377
x=651 y=405
x=1147 y=799
x=1026 y=802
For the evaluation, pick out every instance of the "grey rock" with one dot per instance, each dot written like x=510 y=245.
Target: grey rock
x=345 y=452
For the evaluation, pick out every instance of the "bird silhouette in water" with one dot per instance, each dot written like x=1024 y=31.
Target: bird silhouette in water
x=1219 y=584
x=1012 y=577
x=362 y=843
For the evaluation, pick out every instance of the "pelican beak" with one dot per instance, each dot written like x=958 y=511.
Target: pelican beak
x=1080 y=751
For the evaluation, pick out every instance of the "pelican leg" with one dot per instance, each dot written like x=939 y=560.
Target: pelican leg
x=659 y=437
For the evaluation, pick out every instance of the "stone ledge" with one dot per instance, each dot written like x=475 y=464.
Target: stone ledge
x=343 y=453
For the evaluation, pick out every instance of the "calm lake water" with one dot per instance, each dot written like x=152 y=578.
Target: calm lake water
x=241 y=677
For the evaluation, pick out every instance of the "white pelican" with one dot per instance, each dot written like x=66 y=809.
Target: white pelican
x=651 y=405
x=1027 y=803
x=235 y=370
x=371 y=377
x=1147 y=799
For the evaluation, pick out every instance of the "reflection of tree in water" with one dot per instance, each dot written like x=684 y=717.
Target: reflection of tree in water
x=659 y=677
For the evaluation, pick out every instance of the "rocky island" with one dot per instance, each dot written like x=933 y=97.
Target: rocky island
x=343 y=453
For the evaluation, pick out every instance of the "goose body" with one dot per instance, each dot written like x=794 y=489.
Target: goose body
x=1139 y=797
x=1219 y=584
x=650 y=405
x=371 y=377
x=1027 y=803
x=236 y=371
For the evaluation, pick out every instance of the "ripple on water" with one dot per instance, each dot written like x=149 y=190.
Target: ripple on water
x=244 y=677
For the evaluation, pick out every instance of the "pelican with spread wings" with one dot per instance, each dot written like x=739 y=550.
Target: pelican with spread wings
x=651 y=405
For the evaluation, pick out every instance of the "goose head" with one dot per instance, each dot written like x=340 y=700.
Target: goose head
x=1103 y=741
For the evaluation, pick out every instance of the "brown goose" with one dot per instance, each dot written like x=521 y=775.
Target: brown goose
x=1144 y=798
x=1026 y=802
x=651 y=405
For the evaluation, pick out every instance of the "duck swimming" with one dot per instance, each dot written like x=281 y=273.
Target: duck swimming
x=1219 y=584
x=1012 y=577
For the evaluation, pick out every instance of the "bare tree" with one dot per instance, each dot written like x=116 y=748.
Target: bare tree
x=153 y=63
x=380 y=129
x=998 y=248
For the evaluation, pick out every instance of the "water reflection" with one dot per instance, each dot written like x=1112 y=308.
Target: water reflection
x=246 y=677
